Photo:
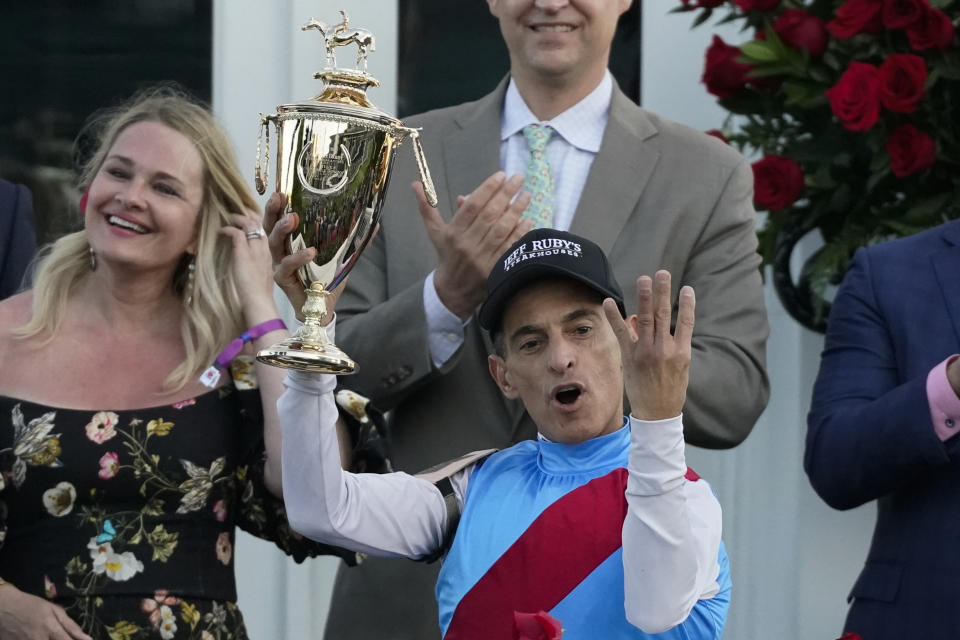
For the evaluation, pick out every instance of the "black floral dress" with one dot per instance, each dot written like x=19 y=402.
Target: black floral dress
x=127 y=518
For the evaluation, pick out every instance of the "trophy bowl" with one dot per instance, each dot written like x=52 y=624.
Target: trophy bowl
x=334 y=156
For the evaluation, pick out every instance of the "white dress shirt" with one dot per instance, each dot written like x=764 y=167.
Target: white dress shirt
x=570 y=152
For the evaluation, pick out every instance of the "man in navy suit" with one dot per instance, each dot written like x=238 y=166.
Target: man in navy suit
x=883 y=426
x=17 y=240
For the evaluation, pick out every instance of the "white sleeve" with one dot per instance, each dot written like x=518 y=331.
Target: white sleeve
x=391 y=514
x=445 y=331
x=671 y=535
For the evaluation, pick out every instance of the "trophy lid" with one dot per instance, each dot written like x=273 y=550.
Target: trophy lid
x=345 y=90
x=344 y=99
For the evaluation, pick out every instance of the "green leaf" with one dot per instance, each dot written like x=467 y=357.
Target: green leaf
x=879 y=162
x=798 y=93
x=703 y=17
x=163 y=542
x=902 y=228
x=767 y=70
x=831 y=60
x=876 y=178
x=822 y=75
x=820 y=179
x=928 y=207
x=743 y=103
x=815 y=101
x=759 y=51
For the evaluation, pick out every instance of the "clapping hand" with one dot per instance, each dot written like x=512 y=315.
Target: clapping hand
x=656 y=363
x=485 y=224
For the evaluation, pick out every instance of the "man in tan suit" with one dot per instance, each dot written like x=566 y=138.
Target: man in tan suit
x=651 y=193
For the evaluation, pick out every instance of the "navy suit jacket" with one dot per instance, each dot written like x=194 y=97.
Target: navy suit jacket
x=17 y=240
x=870 y=435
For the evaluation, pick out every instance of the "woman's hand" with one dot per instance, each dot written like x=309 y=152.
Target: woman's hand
x=251 y=266
x=285 y=265
x=27 y=617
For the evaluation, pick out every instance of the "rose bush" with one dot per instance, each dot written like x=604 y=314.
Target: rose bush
x=778 y=182
x=800 y=30
x=850 y=109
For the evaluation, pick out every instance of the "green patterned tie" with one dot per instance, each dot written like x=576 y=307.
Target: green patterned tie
x=539 y=179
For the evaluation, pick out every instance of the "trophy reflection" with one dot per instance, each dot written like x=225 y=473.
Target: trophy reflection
x=334 y=157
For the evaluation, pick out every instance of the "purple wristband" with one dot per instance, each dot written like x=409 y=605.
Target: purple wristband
x=236 y=345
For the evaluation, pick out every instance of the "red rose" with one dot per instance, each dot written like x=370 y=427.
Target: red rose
x=801 y=30
x=901 y=77
x=854 y=98
x=722 y=74
x=777 y=182
x=536 y=626
x=856 y=16
x=759 y=5
x=850 y=635
x=900 y=14
x=910 y=150
x=933 y=31
x=716 y=133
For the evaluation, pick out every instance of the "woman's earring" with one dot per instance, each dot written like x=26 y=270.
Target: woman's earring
x=191 y=281
x=93 y=258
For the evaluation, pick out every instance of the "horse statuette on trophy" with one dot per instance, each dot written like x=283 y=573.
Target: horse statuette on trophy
x=334 y=156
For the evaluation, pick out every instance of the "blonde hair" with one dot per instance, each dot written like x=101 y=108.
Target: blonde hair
x=214 y=316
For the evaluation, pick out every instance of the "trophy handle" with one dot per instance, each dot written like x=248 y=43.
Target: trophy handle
x=260 y=180
x=425 y=178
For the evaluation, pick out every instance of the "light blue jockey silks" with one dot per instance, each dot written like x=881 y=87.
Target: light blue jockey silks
x=568 y=502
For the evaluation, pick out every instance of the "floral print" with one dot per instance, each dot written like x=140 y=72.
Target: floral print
x=59 y=500
x=32 y=445
x=198 y=486
x=101 y=427
x=219 y=510
x=224 y=548
x=142 y=493
x=116 y=566
x=109 y=465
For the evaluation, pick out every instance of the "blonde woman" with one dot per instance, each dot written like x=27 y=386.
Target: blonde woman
x=134 y=436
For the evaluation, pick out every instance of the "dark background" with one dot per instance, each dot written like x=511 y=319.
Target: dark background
x=61 y=60
x=451 y=51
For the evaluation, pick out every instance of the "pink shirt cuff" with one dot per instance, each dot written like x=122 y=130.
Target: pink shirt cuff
x=944 y=403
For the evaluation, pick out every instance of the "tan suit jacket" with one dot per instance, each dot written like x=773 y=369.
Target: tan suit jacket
x=659 y=196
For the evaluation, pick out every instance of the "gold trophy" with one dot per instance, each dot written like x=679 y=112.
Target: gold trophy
x=334 y=156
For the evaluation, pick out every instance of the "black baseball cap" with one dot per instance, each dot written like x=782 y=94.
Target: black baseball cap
x=544 y=253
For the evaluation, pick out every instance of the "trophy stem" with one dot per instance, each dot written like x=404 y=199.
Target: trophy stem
x=310 y=348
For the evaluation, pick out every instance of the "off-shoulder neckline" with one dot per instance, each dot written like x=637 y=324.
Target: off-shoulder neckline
x=216 y=394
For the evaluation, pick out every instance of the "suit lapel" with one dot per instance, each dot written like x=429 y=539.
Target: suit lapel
x=618 y=174
x=946 y=265
x=472 y=152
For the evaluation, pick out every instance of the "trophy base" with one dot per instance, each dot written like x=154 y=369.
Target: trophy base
x=294 y=353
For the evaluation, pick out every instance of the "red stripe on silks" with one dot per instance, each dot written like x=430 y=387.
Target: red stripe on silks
x=692 y=475
x=557 y=552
